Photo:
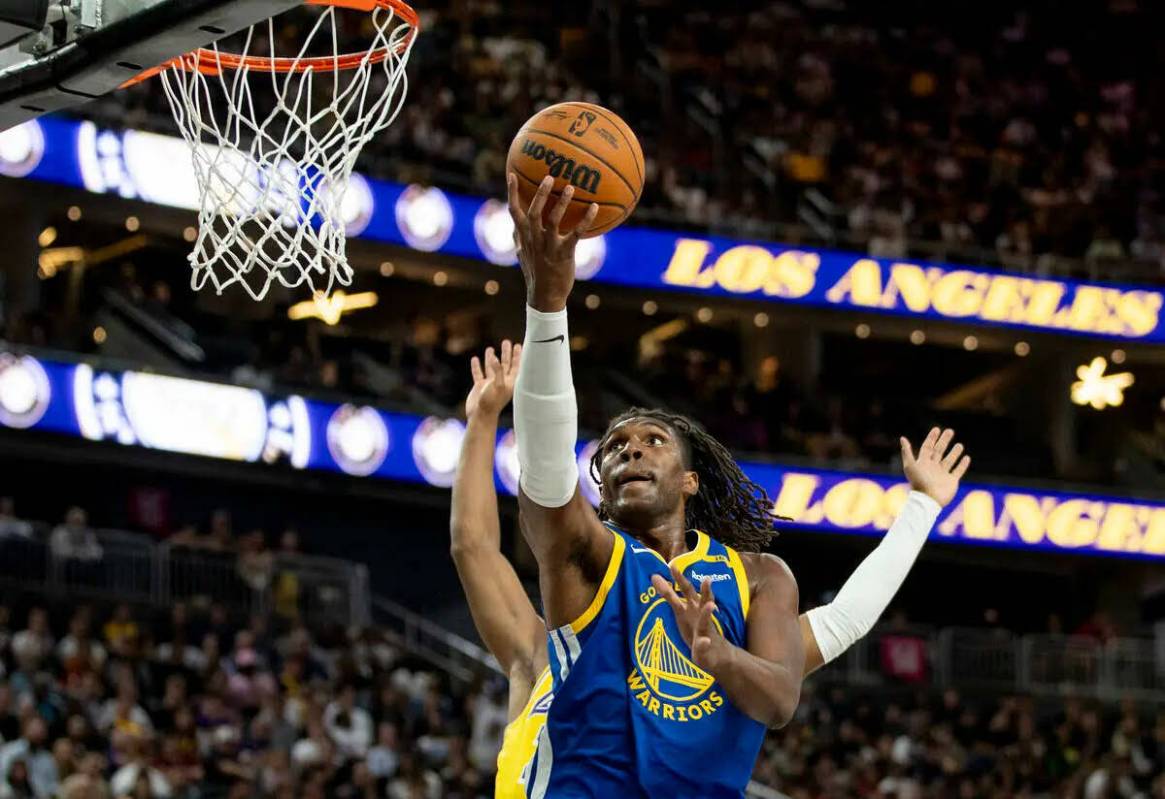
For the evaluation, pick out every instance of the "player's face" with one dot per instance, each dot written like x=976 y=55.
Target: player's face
x=642 y=471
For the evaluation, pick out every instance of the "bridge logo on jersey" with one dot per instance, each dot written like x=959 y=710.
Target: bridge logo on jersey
x=665 y=680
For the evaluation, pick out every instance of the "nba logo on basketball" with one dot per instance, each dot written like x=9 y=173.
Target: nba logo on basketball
x=582 y=123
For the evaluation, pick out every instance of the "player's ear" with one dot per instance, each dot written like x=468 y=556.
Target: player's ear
x=691 y=484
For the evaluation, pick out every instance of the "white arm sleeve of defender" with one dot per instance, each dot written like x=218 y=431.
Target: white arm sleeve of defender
x=546 y=412
x=868 y=591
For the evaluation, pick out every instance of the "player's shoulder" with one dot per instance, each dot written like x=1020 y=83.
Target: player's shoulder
x=767 y=572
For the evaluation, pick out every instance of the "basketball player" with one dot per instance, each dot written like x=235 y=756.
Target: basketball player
x=660 y=688
x=516 y=635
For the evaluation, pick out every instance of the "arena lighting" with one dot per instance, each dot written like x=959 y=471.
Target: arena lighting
x=1118 y=356
x=1097 y=389
x=21 y=149
x=227 y=422
x=436 y=448
x=425 y=217
x=330 y=309
x=74 y=213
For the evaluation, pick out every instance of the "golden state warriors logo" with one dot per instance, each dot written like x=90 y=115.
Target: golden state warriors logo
x=665 y=680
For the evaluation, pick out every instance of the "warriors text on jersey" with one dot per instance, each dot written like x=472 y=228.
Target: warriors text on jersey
x=520 y=740
x=633 y=716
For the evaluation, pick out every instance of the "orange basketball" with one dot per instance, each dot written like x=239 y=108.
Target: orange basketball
x=588 y=147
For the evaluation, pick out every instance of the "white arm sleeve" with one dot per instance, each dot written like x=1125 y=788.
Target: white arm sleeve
x=545 y=411
x=865 y=595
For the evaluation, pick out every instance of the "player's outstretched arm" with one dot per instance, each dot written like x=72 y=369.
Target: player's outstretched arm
x=934 y=477
x=503 y=614
x=764 y=679
x=565 y=534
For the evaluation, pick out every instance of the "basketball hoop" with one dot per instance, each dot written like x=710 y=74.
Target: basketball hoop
x=275 y=139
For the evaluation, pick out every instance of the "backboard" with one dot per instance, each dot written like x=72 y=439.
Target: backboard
x=57 y=54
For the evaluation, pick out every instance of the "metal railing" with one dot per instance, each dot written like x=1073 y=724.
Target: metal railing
x=460 y=657
x=128 y=567
x=997 y=660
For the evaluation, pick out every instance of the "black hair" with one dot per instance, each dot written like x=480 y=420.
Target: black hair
x=728 y=506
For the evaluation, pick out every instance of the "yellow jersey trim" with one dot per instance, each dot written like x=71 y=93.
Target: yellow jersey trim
x=741 y=579
x=588 y=615
x=685 y=560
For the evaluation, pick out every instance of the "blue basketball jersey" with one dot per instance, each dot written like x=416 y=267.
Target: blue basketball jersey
x=633 y=716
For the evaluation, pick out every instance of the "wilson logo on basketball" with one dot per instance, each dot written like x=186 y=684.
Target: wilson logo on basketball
x=580 y=176
x=582 y=123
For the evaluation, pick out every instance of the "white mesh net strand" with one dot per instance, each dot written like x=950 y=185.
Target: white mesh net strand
x=274 y=151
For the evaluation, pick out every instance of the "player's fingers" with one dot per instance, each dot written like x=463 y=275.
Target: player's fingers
x=664 y=589
x=534 y=215
x=704 y=621
x=907 y=452
x=943 y=442
x=491 y=362
x=962 y=468
x=516 y=359
x=927 y=448
x=585 y=224
x=685 y=584
x=706 y=591
x=507 y=354
x=560 y=207
x=515 y=202
x=475 y=369
x=952 y=457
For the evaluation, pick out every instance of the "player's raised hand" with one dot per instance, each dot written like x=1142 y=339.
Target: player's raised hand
x=545 y=252
x=694 y=616
x=493 y=381
x=938 y=468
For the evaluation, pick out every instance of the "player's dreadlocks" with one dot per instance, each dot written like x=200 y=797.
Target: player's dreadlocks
x=730 y=507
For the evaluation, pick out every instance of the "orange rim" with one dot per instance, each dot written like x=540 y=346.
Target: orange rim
x=213 y=62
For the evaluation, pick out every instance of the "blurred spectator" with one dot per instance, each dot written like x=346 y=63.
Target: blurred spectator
x=27 y=765
x=10 y=526
x=349 y=725
x=74 y=539
x=33 y=644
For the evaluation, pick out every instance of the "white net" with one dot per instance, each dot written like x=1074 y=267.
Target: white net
x=275 y=138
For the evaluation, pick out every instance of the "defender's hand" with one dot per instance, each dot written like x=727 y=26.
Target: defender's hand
x=493 y=385
x=694 y=616
x=545 y=254
x=937 y=471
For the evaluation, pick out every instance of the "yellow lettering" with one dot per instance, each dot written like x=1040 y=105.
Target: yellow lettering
x=1155 y=538
x=647 y=595
x=853 y=503
x=716 y=698
x=975 y=515
x=680 y=711
x=793 y=498
x=1024 y=510
x=707 y=705
x=644 y=697
x=1087 y=311
x=695 y=713
x=1072 y=523
x=1140 y=311
x=653 y=706
x=687 y=261
x=911 y=284
x=863 y=284
x=1120 y=530
x=892 y=501
x=636 y=682
x=959 y=293
x=669 y=712
x=793 y=274
x=743 y=269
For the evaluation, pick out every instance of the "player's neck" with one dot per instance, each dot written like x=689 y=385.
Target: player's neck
x=667 y=536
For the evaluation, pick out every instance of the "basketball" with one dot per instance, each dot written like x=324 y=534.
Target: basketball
x=588 y=147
